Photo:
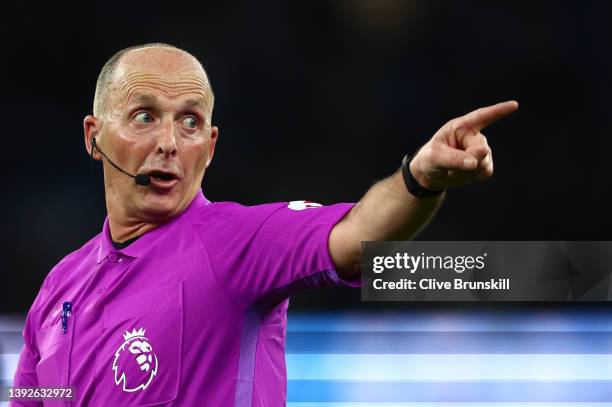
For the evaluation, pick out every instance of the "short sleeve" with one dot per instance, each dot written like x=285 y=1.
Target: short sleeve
x=267 y=252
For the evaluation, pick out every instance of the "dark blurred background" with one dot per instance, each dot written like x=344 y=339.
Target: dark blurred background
x=317 y=100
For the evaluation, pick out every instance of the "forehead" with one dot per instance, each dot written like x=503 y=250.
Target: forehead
x=160 y=73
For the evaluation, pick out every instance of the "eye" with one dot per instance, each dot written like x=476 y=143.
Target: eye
x=143 y=117
x=190 y=122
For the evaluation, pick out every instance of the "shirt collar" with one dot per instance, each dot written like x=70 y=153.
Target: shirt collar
x=145 y=241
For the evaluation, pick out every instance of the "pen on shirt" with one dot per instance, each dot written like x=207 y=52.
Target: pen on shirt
x=66 y=310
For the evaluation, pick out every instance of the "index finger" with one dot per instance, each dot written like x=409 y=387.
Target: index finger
x=481 y=118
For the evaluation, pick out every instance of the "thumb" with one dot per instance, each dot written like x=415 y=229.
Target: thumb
x=450 y=158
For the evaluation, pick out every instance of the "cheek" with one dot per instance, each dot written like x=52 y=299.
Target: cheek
x=195 y=155
x=130 y=149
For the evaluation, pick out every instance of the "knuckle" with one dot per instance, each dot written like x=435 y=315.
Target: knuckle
x=458 y=159
x=454 y=125
x=458 y=128
x=482 y=140
x=449 y=124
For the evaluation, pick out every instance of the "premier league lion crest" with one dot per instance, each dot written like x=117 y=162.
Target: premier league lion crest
x=135 y=363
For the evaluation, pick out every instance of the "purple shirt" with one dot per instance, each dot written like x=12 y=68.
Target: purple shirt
x=193 y=313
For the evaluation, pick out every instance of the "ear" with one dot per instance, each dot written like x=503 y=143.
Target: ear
x=214 y=136
x=91 y=129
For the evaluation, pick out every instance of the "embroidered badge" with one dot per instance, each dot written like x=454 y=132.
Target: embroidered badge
x=135 y=362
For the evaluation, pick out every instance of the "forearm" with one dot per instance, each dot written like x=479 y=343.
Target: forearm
x=389 y=212
x=386 y=212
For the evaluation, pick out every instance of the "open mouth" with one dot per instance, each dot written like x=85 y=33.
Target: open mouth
x=162 y=176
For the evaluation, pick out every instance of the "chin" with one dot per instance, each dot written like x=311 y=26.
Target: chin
x=160 y=207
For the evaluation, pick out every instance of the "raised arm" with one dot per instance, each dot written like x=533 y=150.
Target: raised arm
x=456 y=155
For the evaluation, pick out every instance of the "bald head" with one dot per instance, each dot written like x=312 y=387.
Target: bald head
x=151 y=61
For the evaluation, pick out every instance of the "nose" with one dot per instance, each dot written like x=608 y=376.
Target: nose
x=166 y=140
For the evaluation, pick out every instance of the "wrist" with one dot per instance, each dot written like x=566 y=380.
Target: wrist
x=417 y=183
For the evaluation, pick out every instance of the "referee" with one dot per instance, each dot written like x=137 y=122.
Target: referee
x=180 y=301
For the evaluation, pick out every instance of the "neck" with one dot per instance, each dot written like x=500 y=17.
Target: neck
x=123 y=225
x=122 y=231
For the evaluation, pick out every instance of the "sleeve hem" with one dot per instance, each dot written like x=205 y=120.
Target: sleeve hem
x=330 y=267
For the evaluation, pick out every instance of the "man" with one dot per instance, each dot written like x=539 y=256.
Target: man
x=180 y=301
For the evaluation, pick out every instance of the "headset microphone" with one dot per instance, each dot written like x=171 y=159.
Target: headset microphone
x=140 y=179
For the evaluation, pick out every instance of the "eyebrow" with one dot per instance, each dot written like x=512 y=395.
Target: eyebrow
x=147 y=98
x=195 y=103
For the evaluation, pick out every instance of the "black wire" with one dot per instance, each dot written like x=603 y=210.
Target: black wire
x=93 y=143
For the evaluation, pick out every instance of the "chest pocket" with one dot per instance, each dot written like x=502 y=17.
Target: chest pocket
x=139 y=360
x=54 y=347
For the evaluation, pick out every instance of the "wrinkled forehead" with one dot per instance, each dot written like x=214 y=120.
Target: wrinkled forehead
x=177 y=86
x=175 y=76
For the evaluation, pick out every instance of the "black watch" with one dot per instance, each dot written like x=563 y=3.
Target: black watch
x=412 y=185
